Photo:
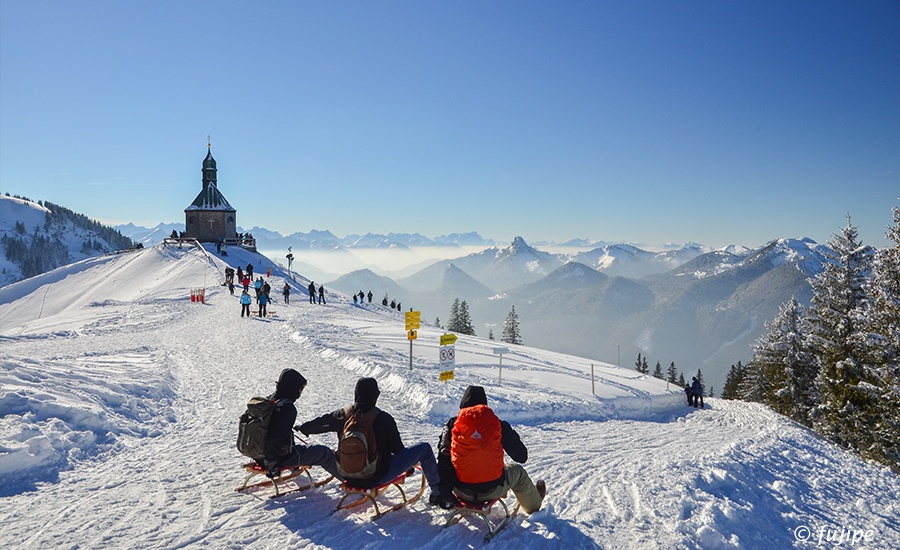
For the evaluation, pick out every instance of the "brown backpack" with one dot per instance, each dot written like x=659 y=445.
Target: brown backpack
x=357 y=450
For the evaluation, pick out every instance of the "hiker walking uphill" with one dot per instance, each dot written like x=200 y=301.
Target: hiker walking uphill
x=321 y=294
x=312 y=292
x=287 y=293
x=470 y=457
x=280 y=450
x=387 y=458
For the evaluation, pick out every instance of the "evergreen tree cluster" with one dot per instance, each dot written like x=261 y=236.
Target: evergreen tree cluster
x=44 y=249
x=37 y=255
x=460 y=321
x=835 y=366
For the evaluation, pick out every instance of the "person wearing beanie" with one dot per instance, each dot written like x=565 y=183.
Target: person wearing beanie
x=470 y=457
x=281 y=451
x=393 y=457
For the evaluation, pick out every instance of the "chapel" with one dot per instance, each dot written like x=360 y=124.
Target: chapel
x=210 y=217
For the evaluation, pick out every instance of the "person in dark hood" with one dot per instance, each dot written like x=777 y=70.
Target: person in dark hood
x=281 y=451
x=470 y=457
x=697 y=392
x=393 y=457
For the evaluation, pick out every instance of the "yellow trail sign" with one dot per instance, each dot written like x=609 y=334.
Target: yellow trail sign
x=446 y=375
x=411 y=335
x=448 y=339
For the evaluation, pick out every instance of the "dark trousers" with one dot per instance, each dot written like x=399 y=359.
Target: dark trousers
x=245 y=308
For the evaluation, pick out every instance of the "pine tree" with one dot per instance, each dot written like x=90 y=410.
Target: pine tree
x=845 y=382
x=681 y=381
x=733 y=381
x=657 y=372
x=672 y=373
x=465 y=321
x=490 y=334
x=641 y=365
x=437 y=322
x=881 y=333
x=784 y=367
x=453 y=321
x=511 y=334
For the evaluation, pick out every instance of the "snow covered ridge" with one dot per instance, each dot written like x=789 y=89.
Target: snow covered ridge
x=120 y=397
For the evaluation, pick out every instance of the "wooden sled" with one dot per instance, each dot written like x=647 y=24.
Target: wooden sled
x=286 y=474
x=470 y=510
x=371 y=494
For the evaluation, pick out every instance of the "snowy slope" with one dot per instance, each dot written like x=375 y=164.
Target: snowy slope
x=120 y=397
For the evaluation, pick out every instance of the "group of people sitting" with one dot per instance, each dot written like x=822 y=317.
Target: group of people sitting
x=470 y=460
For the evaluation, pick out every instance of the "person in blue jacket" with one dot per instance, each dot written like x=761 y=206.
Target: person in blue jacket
x=245 y=303
x=262 y=299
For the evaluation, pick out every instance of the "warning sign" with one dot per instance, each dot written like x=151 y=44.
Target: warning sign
x=447 y=356
x=446 y=375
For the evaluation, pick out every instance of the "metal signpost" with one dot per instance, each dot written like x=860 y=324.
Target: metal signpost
x=500 y=352
x=413 y=319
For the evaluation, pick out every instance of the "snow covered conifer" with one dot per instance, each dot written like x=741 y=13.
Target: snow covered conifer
x=848 y=390
x=465 y=321
x=453 y=321
x=511 y=333
x=657 y=372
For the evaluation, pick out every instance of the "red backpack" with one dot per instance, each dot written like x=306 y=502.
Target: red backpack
x=475 y=448
x=357 y=450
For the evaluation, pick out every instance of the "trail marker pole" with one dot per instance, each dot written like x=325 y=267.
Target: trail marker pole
x=592 y=379
x=500 y=352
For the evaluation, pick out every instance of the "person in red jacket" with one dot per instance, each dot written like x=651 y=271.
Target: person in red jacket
x=470 y=457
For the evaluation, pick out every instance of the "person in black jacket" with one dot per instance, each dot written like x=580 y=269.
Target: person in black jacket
x=530 y=495
x=281 y=451
x=393 y=457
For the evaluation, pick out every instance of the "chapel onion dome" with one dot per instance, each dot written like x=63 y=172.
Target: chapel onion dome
x=209 y=163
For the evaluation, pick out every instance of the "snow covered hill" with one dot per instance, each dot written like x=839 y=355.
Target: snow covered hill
x=119 y=399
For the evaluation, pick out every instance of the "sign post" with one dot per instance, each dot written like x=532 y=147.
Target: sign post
x=412 y=324
x=447 y=356
x=500 y=352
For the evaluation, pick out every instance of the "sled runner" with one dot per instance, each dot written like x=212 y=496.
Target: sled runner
x=287 y=474
x=468 y=510
x=370 y=495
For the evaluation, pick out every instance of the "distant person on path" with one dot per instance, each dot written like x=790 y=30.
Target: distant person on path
x=281 y=451
x=312 y=292
x=370 y=295
x=249 y=270
x=287 y=293
x=231 y=287
x=322 y=294
x=384 y=301
x=246 y=283
x=689 y=393
x=246 y=300
x=392 y=457
x=240 y=275
x=470 y=457
x=697 y=391
x=262 y=300
x=362 y=297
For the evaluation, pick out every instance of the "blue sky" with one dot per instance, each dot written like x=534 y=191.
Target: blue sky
x=719 y=122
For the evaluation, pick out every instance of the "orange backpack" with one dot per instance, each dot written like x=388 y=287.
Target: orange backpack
x=476 y=450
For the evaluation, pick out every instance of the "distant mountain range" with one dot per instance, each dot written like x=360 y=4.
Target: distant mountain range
x=317 y=240
x=699 y=309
